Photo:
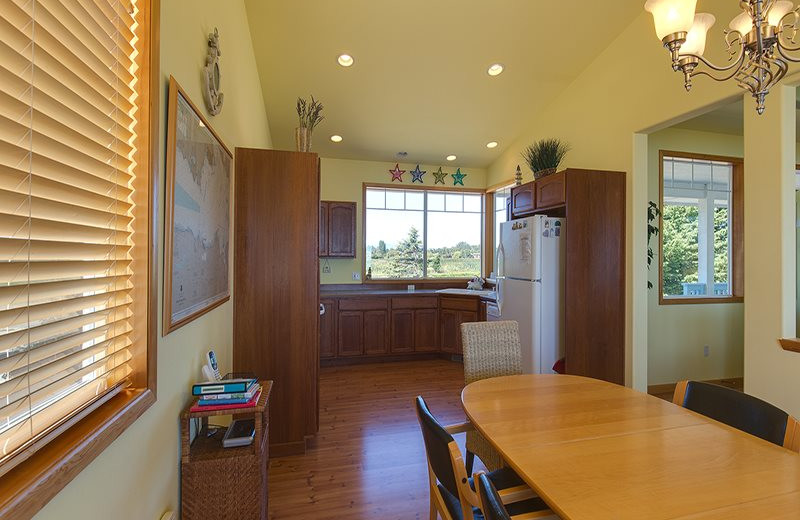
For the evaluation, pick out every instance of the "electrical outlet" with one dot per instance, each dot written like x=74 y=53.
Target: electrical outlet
x=356 y=276
x=326 y=269
x=706 y=351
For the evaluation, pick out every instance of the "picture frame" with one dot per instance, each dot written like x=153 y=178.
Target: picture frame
x=197 y=214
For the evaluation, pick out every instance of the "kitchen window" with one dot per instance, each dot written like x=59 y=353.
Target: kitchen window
x=77 y=329
x=701 y=229
x=422 y=233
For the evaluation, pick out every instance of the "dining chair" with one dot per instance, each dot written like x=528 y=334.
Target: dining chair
x=741 y=411
x=452 y=492
x=491 y=504
x=490 y=349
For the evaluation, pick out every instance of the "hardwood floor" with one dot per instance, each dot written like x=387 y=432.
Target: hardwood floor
x=368 y=459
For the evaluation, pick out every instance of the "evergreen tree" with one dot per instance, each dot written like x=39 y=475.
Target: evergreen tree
x=405 y=261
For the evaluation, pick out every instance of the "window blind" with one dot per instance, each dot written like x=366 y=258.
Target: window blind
x=68 y=160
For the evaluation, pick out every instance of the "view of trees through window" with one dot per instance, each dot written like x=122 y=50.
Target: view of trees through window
x=696 y=243
x=423 y=234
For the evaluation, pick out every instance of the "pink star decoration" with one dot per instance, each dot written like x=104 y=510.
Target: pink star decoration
x=397 y=173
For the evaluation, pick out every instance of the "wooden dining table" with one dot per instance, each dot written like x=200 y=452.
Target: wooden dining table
x=594 y=450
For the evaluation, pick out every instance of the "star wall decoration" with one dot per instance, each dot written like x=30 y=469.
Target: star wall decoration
x=397 y=173
x=458 y=178
x=416 y=175
x=439 y=175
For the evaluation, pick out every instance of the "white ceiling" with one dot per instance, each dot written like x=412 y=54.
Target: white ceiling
x=419 y=83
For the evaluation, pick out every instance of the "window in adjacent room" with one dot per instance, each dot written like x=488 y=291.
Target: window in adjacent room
x=419 y=233
x=75 y=229
x=701 y=229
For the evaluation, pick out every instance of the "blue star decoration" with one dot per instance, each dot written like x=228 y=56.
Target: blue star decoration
x=458 y=177
x=397 y=173
x=416 y=175
x=439 y=175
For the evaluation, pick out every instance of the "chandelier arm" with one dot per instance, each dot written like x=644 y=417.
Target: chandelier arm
x=734 y=65
x=784 y=50
x=735 y=69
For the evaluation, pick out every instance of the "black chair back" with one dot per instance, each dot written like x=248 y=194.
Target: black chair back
x=492 y=505
x=737 y=409
x=436 y=440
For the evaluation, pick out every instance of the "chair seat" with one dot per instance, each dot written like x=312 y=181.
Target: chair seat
x=503 y=478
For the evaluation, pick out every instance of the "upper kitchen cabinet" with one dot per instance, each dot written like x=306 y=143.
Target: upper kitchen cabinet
x=337 y=229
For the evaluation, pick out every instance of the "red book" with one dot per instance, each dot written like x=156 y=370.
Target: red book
x=214 y=408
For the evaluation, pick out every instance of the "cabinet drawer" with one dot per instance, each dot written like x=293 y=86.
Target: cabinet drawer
x=551 y=191
x=363 y=304
x=460 y=304
x=414 y=302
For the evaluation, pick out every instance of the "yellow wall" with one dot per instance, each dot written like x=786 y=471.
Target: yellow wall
x=342 y=180
x=136 y=478
x=676 y=334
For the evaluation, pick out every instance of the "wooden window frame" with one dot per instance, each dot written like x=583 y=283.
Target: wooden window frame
x=489 y=223
x=29 y=486
x=364 y=188
x=737 y=229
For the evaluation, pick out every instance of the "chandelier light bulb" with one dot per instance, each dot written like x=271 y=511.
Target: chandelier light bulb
x=671 y=16
x=778 y=10
x=742 y=24
x=696 y=39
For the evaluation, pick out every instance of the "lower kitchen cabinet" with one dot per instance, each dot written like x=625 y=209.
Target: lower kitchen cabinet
x=351 y=333
x=363 y=326
x=376 y=332
x=327 y=329
x=426 y=330
x=402 y=331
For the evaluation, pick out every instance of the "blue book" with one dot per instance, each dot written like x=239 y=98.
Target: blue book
x=215 y=402
x=228 y=386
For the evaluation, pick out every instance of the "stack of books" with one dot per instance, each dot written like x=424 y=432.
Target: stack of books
x=226 y=394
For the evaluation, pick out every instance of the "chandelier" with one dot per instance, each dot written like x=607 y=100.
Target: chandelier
x=759 y=42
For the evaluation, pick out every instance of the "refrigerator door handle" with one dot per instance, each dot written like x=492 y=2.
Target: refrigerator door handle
x=500 y=261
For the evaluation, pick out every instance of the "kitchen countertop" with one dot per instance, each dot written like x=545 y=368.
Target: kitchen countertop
x=362 y=292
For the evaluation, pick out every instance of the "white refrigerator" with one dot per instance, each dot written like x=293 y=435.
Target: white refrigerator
x=530 y=287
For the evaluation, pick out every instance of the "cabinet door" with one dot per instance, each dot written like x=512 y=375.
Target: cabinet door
x=376 y=332
x=323 y=228
x=342 y=229
x=449 y=335
x=351 y=333
x=426 y=330
x=464 y=317
x=402 y=331
x=551 y=191
x=522 y=200
x=327 y=330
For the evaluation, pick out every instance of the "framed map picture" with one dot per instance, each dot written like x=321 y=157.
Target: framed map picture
x=197 y=214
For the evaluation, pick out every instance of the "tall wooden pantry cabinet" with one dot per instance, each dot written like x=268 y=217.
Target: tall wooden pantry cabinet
x=276 y=286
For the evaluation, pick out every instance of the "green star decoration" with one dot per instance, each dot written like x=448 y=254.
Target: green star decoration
x=439 y=175
x=458 y=177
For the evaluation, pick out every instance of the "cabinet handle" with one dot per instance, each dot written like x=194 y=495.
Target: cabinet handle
x=321 y=309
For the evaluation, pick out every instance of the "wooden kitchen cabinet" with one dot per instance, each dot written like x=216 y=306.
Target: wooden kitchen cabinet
x=426 y=330
x=454 y=311
x=337 y=221
x=523 y=200
x=376 y=332
x=402 y=331
x=551 y=191
x=350 y=326
x=327 y=329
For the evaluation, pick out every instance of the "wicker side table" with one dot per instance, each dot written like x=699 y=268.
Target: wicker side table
x=225 y=483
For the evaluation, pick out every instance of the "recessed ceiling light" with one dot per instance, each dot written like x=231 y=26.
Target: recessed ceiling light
x=492 y=144
x=336 y=138
x=451 y=157
x=495 y=69
x=345 y=60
